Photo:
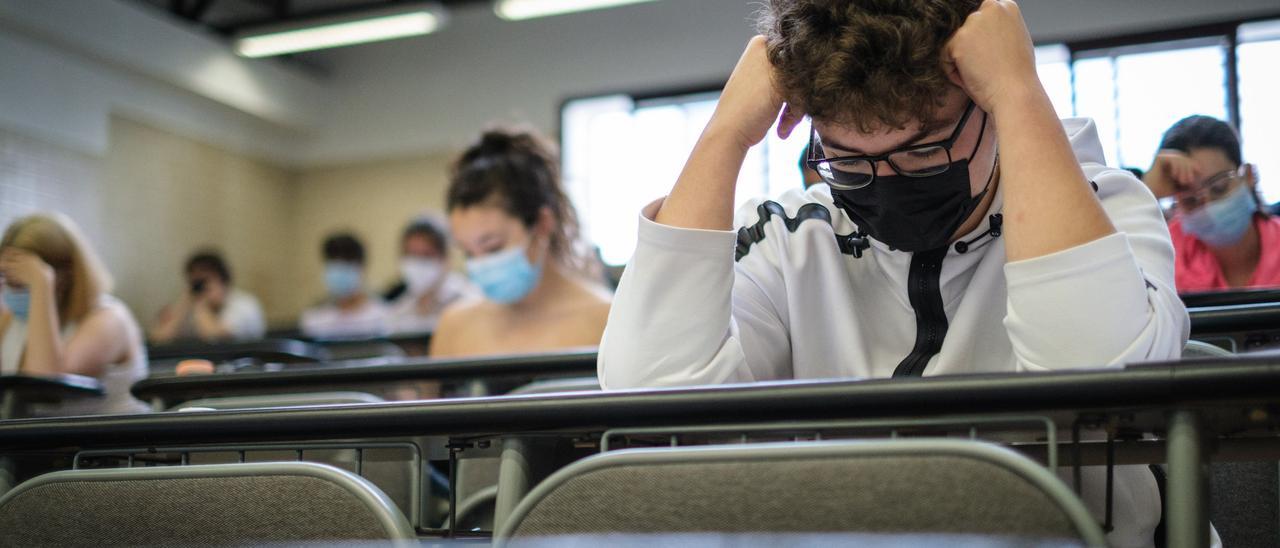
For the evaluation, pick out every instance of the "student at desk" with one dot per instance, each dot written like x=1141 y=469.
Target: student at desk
x=963 y=227
x=59 y=316
x=350 y=311
x=513 y=220
x=211 y=309
x=427 y=285
x=1222 y=234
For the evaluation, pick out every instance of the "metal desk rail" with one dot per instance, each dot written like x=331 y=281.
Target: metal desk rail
x=266 y=350
x=167 y=390
x=19 y=392
x=1190 y=410
x=1222 y=318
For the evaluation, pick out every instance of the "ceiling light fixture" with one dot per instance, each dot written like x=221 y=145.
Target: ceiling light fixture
x=516 y=10
x=331 y=32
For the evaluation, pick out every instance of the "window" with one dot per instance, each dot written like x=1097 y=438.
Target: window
x=621 y=154
x=1119 y=88
x=1257 y=58
x=1053 y=63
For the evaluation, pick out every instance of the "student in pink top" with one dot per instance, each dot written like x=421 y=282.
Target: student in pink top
x=1222 y=234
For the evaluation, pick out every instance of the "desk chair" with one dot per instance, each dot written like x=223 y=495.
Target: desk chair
x=891 y=486
x=552 y=386
x=1201 y=349
x=231 y=504
x=478 y=477
x=279 y=400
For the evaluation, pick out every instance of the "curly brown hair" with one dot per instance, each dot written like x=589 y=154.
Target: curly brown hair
x=869 y=64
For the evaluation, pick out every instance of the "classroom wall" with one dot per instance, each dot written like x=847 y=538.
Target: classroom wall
x=166 y=195
x=154 y=197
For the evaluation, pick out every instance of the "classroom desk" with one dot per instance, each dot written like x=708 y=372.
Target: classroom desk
x=166 y=390
x=19 y=392
x=262 y=351
x=1195 y=409
x=1239 y=327
x=1230 y=297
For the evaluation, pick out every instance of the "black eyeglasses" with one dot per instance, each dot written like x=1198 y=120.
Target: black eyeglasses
x=922 y=160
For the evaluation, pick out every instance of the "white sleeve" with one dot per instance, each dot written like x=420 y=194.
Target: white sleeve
x=1110 y=301
x=243 y=317
x=686 y=314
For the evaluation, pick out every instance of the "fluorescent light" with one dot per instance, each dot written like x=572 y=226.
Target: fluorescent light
x=372 y=26
x=515 y=10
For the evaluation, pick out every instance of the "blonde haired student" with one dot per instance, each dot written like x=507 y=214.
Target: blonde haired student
x=59 y=316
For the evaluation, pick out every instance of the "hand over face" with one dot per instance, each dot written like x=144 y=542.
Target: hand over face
x=25 y=268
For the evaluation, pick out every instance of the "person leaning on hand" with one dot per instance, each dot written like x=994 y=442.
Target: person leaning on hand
x=962 y=228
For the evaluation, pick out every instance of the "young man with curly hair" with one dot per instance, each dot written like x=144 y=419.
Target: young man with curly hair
x=962 y=228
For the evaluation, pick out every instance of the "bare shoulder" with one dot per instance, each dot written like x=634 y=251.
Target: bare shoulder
x=591 y=302
x=455 y=323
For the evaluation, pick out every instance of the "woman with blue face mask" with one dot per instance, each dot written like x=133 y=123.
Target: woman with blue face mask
x=348 y=311
x=1221 y=236
x=518 y=230
x=59 y=317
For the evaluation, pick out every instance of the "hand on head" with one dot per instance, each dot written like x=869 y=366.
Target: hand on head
x=751 y=103
x=991 y=56
x=24 y=268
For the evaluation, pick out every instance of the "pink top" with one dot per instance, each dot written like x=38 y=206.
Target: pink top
x=1196 y=268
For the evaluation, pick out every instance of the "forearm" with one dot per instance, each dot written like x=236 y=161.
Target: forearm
x=43 y=353
x=703 y=196
x=208 y=325
x=169 y=322
x=1049 y=204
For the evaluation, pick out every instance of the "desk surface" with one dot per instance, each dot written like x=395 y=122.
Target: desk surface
x=345 y=375
x=1200 y=383
x=52 y=385
x=273 y=350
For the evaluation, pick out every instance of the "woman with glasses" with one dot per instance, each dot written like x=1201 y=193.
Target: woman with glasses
x=962 y=228
x=1222 y=235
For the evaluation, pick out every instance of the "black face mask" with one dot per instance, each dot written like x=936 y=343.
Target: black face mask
x=913 y=213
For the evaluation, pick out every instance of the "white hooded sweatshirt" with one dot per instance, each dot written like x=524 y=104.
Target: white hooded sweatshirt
x=789 y=296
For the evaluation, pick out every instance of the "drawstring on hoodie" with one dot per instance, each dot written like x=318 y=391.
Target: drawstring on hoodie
x=997 y=221
x=853 y=244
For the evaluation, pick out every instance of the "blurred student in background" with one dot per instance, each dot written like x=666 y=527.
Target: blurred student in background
x=60 y=318
x=1222 y=234
x=427 y=284
x=349 y=311
x=211 y=309
x=519 y=232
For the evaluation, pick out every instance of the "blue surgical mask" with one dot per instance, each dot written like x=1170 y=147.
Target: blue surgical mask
x=1223 y=222
x=342 y=279
x=18 y=301
x=506 y=276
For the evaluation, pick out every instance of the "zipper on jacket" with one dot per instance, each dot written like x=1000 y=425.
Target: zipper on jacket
x=925 y=294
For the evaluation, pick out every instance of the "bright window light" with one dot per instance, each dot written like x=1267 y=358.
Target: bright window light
x=620 y=154
x=372 y=27
x=515 y=10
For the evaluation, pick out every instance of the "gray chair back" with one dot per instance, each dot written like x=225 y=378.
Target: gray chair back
x=552 y=386
x=280 y=400
x=890 y=486
x=1201 y=349
x=226 y=504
